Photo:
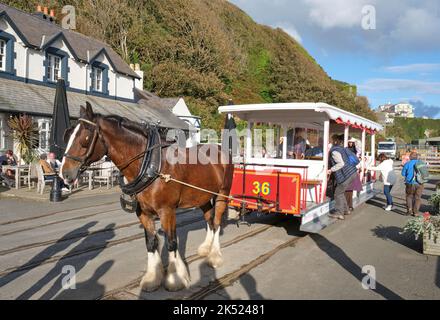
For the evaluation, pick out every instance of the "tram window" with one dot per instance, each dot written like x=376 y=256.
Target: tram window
x=300 y=143
x=315 y=143
x=266 y=141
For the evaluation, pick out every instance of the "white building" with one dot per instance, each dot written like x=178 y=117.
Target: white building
x=400 y=110
x=35 y=52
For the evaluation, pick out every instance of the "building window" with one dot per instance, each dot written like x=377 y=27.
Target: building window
x=53 y=67
x=97 y=79
x=44 y=127
x=2 y=134
x=2 y=55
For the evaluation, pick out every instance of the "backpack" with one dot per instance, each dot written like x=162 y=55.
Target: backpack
x=353 y=160
x=421 y=172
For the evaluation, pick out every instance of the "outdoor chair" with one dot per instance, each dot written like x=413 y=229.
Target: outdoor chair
x=32 y=177
x=41 y=178
x=105 y=175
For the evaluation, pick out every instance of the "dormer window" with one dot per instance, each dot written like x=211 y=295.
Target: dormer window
x=2 y=55
x=97 y=79
x=7 y=54
x=53 y=67
x=56 y=66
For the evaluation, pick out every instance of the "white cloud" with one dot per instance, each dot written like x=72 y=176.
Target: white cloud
x=336 y=13
x=384 y=84
x=289 y=29
x=414 y=68
x=336 y=25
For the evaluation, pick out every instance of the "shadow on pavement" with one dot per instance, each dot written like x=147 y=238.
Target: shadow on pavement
x=77 y=263
x=339 y=256
x=250 y=285
x=62 y=244
x=88 y=286
x=398 y=208
x=393 y=233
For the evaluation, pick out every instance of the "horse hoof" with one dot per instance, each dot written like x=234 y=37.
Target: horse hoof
x=175 y=283
x=150 y=283
x=203 y=250
x=215 y=259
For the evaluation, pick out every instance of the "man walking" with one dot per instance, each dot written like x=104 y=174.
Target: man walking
x=414 y=189
x=344 y=175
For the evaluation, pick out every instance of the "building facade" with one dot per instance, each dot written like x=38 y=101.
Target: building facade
x=392 y=111
x=35 y=52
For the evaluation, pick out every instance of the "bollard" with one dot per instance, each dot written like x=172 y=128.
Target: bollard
x=55 y=192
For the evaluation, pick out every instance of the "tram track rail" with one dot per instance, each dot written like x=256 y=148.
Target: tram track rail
x=58 y=222
x=56 y=212
x=108 y=244
x=113 y=294
x=230 y=278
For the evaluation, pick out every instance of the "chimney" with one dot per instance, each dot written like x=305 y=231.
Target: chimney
x=138 y=83
x=43 y=14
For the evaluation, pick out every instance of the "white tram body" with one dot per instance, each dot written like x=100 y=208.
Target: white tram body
x=280 y=180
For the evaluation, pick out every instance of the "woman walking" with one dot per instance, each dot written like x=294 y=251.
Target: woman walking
x=388 y=177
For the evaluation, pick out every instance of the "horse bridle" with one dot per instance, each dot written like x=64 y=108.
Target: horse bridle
x=83 y=160
x=91 y=147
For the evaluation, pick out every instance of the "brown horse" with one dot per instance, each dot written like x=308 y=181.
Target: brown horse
x=96 y=135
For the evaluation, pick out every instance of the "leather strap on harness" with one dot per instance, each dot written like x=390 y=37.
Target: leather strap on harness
x=151 y=164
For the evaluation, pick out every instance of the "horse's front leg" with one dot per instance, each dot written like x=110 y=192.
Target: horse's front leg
x=177 y=277
x=154 y=273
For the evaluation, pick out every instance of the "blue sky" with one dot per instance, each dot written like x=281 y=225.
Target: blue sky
x=396 y=60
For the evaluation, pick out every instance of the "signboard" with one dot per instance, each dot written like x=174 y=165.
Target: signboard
x=281 y=188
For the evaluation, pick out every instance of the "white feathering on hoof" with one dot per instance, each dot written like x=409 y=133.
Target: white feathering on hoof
x=205 y=247
x=154 y=275
x=215 y=258
x=177 y=277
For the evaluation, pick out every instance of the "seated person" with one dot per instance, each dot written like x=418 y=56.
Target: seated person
x=316 y=151
x=299 y=144
x=49 y=170
x=8 y=176
x=53 y=162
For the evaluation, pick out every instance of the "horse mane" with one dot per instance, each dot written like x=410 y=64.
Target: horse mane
x=136 y=127
x=126 y=123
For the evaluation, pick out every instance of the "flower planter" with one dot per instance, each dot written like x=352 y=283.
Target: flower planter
x=431 y=244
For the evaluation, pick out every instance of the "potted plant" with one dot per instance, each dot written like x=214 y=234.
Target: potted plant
x=24 y=131
x=435 y=202
x=428 y=227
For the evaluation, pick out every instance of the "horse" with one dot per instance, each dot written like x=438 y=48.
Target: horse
x=96 y=136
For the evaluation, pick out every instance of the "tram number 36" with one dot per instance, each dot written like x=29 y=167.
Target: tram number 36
x=261 y=188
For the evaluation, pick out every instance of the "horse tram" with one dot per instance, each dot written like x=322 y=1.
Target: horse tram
x=277 y=176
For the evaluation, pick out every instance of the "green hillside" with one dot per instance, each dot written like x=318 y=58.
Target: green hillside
x=413 y=129
x=208 y=51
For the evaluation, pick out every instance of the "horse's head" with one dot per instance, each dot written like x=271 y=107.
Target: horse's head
x=84 y=145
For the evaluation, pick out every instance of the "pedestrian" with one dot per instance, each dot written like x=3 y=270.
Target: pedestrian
x=405 y=157
x=352 y=146
x=413 y=188
x=388 y=177
x=343 y=173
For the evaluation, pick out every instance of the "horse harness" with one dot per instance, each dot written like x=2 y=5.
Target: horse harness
x=150 y=167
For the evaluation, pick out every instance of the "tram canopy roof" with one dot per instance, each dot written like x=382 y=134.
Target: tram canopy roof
x=298 y=112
